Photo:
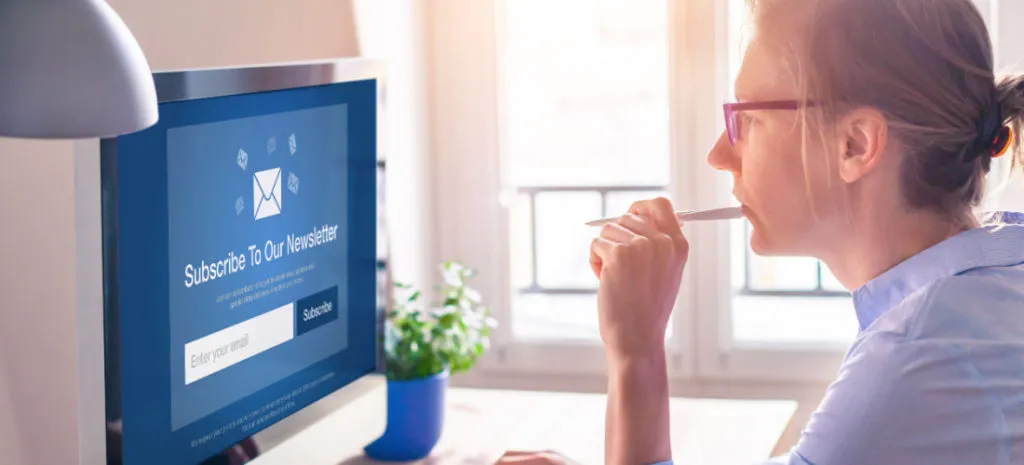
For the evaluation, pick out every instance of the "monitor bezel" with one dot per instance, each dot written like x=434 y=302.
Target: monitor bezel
x=202 y=83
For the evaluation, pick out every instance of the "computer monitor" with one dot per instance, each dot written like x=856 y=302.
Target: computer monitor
x=240 y=258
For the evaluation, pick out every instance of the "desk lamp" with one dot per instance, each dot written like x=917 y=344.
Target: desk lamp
x=71 y=69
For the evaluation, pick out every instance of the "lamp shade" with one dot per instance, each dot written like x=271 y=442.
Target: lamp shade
x=71 y=69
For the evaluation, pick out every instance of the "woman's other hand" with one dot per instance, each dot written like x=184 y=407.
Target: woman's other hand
x=533 y=458
x=639 y=262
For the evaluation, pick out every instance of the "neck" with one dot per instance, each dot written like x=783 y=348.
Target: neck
x=874 y=243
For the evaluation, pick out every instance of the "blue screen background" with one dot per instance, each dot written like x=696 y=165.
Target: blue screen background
x=177 y=187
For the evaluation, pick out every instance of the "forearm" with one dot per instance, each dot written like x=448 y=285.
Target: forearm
x=637 y=418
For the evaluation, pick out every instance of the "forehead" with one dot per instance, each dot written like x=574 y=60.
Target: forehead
x=766 y=74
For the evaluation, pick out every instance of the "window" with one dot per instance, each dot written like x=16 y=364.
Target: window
x=585 y=130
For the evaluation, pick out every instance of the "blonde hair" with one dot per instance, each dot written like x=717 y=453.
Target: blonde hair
x=927 y=65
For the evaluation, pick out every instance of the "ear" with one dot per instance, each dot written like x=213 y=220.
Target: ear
x=863 y=136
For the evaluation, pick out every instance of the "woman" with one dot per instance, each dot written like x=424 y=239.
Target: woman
x=863 y=136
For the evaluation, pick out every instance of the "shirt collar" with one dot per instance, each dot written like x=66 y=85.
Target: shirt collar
x=1000 y=242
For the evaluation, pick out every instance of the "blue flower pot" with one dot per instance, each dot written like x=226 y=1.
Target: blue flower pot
x=415 y=419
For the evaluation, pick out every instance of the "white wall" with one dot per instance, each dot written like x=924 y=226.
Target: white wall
x=1009 y=45
x=39 y=295
x=179 y=34
x=397 y=31
x=38 y=301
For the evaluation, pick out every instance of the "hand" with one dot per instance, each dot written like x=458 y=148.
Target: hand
x=533 y=458
x=639 y=262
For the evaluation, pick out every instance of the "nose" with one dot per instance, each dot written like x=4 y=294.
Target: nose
x=723 y=155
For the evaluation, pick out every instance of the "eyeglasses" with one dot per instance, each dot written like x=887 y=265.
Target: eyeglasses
x=732 y=123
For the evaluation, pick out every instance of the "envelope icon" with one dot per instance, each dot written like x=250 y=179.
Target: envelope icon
x=266 y=193
x=243 y=159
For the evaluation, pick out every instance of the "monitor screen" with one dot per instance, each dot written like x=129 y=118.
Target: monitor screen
x=240 y=268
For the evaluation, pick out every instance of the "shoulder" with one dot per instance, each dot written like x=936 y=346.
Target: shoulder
x=902 y=400
x=944 y=367
x=977 y=304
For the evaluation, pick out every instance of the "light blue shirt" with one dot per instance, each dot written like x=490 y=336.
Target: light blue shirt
x=936 y=374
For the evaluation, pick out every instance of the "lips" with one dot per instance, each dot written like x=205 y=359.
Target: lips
x=743 y=206
x=739 y=199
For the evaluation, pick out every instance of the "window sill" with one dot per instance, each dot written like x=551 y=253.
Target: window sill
x=793 y=321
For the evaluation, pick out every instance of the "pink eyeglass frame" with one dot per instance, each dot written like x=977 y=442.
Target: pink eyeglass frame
x=732 y=126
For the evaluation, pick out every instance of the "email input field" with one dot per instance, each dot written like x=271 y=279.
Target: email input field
x=215 y=352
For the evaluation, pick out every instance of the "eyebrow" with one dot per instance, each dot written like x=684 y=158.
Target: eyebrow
x=741 y=94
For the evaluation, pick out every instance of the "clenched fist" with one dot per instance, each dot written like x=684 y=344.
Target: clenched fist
x=639 y=261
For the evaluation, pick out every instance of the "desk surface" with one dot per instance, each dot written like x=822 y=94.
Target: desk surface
x=481 y=424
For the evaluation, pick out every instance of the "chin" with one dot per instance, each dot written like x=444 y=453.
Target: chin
x=759 y=244
x=766 y=242
x=764 y=245
x=773 y=246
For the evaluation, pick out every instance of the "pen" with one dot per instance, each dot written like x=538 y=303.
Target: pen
x=727 y=213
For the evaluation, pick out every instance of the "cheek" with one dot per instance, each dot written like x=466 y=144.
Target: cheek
x=773 y=173
x=777 y=192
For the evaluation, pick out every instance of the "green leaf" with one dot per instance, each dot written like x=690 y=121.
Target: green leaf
x=448 y=320
x=423 y=340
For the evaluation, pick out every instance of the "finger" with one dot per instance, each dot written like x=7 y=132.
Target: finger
x=554 y=458
x=237 y=456
x=595 y=265
x=603 y=248
x=523 y=458
x=637 y=225
x=660 y=211
x=617 y=233
x=600 y=249
x=647 y=229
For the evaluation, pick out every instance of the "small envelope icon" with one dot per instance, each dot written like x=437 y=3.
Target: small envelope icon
x=266 y=193
x=243 y=159
x=293 y=183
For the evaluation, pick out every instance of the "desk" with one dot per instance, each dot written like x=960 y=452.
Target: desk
x=481 y=424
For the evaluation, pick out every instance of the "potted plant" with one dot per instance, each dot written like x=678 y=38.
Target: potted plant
x=423 y=346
